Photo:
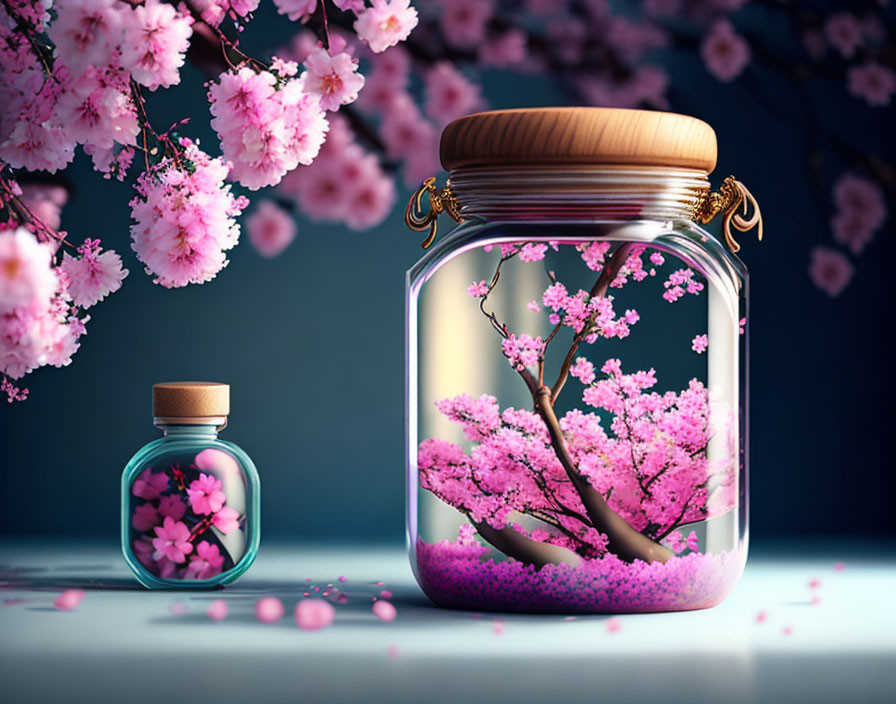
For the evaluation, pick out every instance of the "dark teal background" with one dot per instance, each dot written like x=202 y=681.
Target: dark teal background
x=312 y=342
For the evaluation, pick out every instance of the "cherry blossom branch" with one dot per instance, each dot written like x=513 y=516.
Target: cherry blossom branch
x=23 y=215
x=28 y=32
x=516 y=545
x=610 y=271
x=623 y=540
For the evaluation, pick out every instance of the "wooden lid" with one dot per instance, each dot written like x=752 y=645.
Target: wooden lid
x=578 y=136
x=190 y=399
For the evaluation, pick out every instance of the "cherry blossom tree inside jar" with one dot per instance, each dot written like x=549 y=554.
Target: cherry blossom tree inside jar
x=190 y=501
x=577 y=366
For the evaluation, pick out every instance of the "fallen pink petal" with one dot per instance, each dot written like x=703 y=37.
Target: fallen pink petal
x=69 y=599
x=217 y=610
x=384 y=610
x=613 y=624
x=314 y=614
x=269 y=609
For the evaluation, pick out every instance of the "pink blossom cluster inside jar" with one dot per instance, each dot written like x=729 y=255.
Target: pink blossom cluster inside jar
x=190 y=501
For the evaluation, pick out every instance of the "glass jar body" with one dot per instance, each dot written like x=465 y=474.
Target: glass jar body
x=190 y=510
x=576 y=416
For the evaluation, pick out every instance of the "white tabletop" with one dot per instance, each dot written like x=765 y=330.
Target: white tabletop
x=835 y=642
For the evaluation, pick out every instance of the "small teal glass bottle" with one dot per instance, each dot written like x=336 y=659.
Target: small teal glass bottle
x=190 y=501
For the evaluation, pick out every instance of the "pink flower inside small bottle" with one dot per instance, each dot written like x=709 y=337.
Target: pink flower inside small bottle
x=190 y=501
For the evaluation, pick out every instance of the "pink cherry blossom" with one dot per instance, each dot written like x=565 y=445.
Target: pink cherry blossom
x=145 y=516
x=830 y=270
x=296 y=9
x=384 y=610
x=333 y=78
x=217 y=610
x=93 y=275
x=676 y=542
x=463 y=22
x=692 y=543
x=344 y=184
x=269 y=609
x=226 y=520
x=37 y=333
x=156 y=37
x=205 y=495
x=449 y=94
x=409 y=136
x=700 y=343
x=860 y=199
x=271 y=228
x=314 y=614
x=477 y=289
x=505 y=50
x=37 y=146
x=25 y=270
x=45 y=201
x=172 y=506
x=532 y=252
x=844 y=33
x=205 y=563
x=212 y=12
x=350 y=5
x=852 y=231
x=143 y=551
x=386 y=81
x=523 y=350
x=69 y=600
x=385 y=23
x=724 y=52
x=872 y=82
x=150 y=485
x=267 y=125
x=185 y=218
x=583 y=370
x=86 y=32
x=172 y=541
x=533 y=306
x=98 y=110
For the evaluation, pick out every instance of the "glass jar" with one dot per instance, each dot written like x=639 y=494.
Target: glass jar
x=190 y=501
x=577 y=367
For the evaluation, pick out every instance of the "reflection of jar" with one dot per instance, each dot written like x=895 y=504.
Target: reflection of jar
x=577 y=367
x=190 y=502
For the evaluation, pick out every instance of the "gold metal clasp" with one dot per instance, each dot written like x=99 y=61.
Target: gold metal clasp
x=730 y=196
x=440 y=201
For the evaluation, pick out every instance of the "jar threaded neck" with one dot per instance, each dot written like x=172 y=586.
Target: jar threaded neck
x=578 y=192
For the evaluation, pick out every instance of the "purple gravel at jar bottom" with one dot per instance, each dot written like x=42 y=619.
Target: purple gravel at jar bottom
x=458 y=575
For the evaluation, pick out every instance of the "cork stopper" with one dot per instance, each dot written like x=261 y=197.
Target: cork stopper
x=570 y=137
x=187 y=401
